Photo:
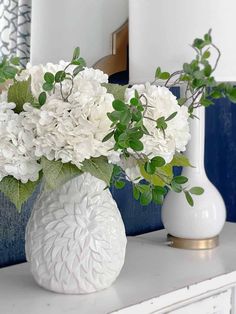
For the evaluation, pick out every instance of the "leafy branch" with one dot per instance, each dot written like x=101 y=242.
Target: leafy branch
x=201 y=89
x=52 y=80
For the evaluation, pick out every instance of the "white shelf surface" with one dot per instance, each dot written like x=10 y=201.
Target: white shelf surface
x=154 y=276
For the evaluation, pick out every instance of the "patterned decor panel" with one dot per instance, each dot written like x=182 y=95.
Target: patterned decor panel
x=15 y=19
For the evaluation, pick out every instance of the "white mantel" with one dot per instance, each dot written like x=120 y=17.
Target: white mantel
x=155 y=279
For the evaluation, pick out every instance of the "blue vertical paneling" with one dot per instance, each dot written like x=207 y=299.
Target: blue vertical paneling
x=220 y=151
x=12 y=231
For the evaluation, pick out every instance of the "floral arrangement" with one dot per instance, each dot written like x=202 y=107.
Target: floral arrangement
x=60 y=120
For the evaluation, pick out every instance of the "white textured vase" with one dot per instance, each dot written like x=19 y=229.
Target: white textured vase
x=207 y=217
x=75 y=238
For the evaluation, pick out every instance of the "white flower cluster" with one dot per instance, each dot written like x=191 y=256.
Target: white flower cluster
x=73 y=130
x=17 y=156
x=161 y=103
x=36 y=72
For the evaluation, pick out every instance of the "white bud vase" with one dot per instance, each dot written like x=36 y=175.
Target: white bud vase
x=75 y=238
x=199 y=225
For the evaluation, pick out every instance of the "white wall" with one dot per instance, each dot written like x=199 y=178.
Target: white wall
x=60 y=25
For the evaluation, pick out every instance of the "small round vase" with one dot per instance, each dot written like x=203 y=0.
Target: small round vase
x=195 y=227
x=75 y=238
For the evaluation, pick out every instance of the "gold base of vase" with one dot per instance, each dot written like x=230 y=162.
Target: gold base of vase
x=193 y=244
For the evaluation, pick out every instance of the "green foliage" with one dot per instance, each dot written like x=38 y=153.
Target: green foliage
x=99 y=168
x=201 y=87
x=57 y=173
x=42 y=98
x=197 y=190
x=9 y=68
x=161 y=75
x=180 y=160
x=189 y=198
x=20 y=93
x=51 y=80
x=116 y=90
x=17 y=191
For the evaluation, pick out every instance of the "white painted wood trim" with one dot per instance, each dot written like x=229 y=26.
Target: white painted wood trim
x=183 y=297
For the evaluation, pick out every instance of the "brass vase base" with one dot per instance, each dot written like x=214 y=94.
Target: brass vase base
x=193 y=244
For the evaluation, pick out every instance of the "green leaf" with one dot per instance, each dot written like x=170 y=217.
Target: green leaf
x=146 y=197
x=76 y=53
x=60 y=76
x=187 y=68
x=137 y=116
x=198 y=43
x=164 y=175
x=125 y=117
x=108 y=136
x=77 y=70
x=42 y=98
x=136 y=145
x=208 y=70
x=17 y=191
x=157 y=197
x=57 y=173
x=207 y=37
x=20 y=93
x=119 y=184
x=161 y=124
x=171 y=116
x=149 y=167
x=176 y=187
x=47 y=86
x=189 y=198
x=158 y=161
x=82 y=62
x=134 y=102
x=9 y=71
x=206 y=102
x=206 y=54
x=136 y=193
x=118 y=91
x=232 y=95
x=158 y=72
x=182 y=101
x=123 y=140
x=180 y=160
x=15 y=60
x=119 y=105
x=99 y=168
x=116 y=171
x=49 y=78
x=164 y=76
x=114 y=116
x=197 y=190
x=143 y=187
x=216 y=94
x=180 y=179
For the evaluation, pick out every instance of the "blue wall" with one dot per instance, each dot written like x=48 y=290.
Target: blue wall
x=220 y=160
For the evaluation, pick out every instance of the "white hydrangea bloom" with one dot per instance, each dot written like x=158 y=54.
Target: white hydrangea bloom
x=94 y=74
x=37 y=76
x=73 y=131
x=162 y=103
x=17 y=157
x=131 y=169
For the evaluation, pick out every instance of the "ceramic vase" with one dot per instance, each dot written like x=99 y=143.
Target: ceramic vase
x=206 y=218
x=75 y=238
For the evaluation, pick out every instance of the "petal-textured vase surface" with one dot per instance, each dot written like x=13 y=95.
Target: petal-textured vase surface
x=75 y=238
x=207 y=217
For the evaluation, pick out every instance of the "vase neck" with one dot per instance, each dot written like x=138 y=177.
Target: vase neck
x=196 y=146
